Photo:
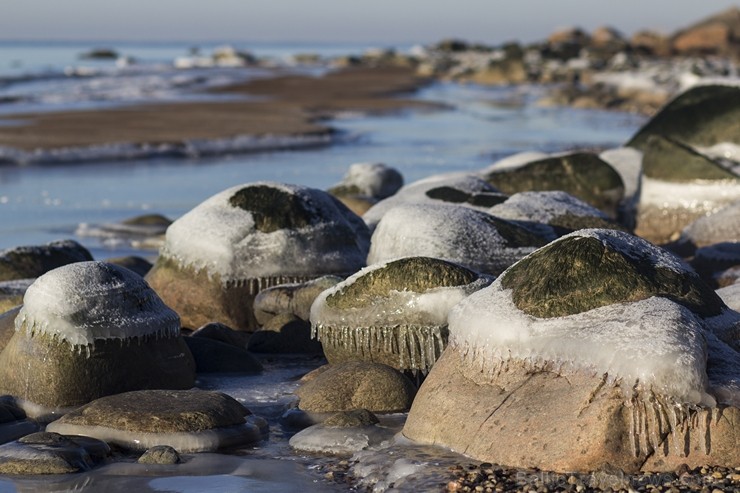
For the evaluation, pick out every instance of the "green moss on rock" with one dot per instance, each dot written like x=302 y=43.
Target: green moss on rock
x=578 y=274
x=454 y=196
x=417 y=274
x=272 y=209
x=669 y=160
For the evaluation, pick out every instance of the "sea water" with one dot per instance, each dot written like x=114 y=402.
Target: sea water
x=47 y=201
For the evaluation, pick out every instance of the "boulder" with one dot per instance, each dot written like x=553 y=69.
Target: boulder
x=368 y=180
x=551 y=214
x=291 y=299
x=598 y=351
x=651 y=43
x=454 y=188
x=581 y=174
x=222 y=333
x=221 y=254
x=393 y=313
x=343 y=433
x=87 y=330
x=285 y=333
x=716 y=35
x=52 y=453
x=133 y=263
x=160 y=454
x=471 y=238
x=28 y=262
x=213 y=356
x=718 y=227
x=186 y=420
x=357 y=385
x=680 y=185
x=13 y=422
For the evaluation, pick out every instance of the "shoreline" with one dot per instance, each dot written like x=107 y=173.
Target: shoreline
x=292 y=107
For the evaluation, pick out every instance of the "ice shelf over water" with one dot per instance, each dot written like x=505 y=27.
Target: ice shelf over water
x=87 y=301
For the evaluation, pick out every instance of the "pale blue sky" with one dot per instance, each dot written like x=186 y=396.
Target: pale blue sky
x=377 y=21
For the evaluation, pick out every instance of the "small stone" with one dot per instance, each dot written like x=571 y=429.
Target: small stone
x=160 y=454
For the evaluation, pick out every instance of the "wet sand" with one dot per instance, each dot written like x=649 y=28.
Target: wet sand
x=287 y=106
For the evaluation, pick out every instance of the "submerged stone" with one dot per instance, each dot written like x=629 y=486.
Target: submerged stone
x=186 y=420
x=52 y=453
x=87 y=330
x=160 y=454
x=393 y=313
x=343 y=433
x=471 y=238
x=221 y=254
x=27 y=262
x=583 y=175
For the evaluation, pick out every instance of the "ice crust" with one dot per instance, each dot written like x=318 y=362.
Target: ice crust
x=655 y=344
x=222 y=239
x=322 y=439
x=415 y=193
x=702 y=196
x=721 y=226
x=429 y=308
x=87 y=301
x=449 y=232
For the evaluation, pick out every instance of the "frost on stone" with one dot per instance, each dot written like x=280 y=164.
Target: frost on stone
x=721 y=226
x=84 y=302
x=543 y=211
x=268 y=229
x=466 y=236
x=369 y=180
x=458 y=188
x=398 y=307
x=699 y=197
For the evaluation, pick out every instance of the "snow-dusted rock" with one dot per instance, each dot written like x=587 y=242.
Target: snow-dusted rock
x=393 y=313
x=28 y=262
x=87 y=330
x=218 y=256
x=596 y=349
x=186 y=420
x=367 y=183
x=475 y=239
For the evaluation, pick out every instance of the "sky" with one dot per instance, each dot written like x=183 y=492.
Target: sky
x=378 y=21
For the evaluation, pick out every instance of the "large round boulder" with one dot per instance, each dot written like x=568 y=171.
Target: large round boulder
x=221 y=254
x=598 y=350
x=186 y=420
x=87 y=330
x=581 y=174
x=393 y=313
x=474 y=239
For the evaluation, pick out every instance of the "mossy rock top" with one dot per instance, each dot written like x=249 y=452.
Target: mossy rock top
x=415 y=274
x=583 y=175
x=670 y=160
x=160 y=411
x=457 y=196
x=702 y=116
x=148 y=220
x=273 y=208
x=27 y=262
x=594 y=268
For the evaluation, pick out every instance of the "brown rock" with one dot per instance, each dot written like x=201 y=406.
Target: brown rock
x=716 y=35
x=293 y=299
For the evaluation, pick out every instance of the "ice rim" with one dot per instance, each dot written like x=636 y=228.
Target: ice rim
x=84 y=302
x=651 y=346
x=402 y=322
x=222 y=240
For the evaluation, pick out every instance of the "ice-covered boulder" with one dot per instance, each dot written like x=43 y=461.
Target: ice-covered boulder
x=366 y=183
x=221 y=254
x=581 y=174
x=551 y=214
x=393 y=313
x=357 y=385
x=186 y=420
x=87 y=330
x=680 y=185
x=52 y=453
x=474 y=239
x=28 y=262
x=704 y=115
x=453 y=188
x=598 y=349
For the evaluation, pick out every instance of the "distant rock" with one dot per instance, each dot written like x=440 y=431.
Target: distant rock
x=716 y=35
x=357 y=385
x=28 y=262
x=87 y=330
x=651 y=43
x=368 y=182
x=133 y=263
x=100 y=54
x=221 y=254
x=222 y=333
x=393 y=313
x=293 y=299
x=11 y=294
x=285 y=333
x=213 y=356
x=186 y=420
x=626 y=358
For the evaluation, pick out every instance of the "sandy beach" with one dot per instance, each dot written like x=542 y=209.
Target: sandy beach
x=287 y=106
